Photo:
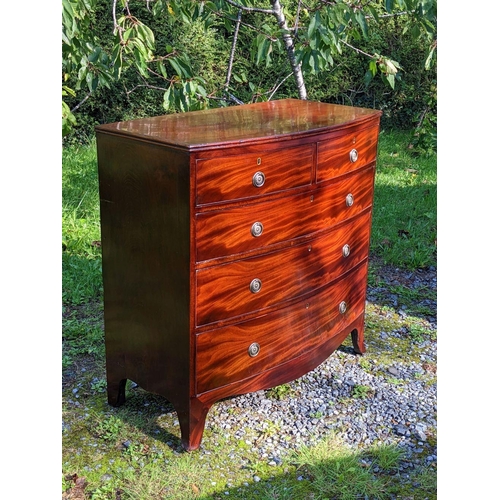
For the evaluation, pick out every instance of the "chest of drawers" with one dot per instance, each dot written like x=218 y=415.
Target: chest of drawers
x=235 y=247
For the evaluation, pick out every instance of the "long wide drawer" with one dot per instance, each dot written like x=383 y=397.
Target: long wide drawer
x=253 y=284
x=248 y=227
x=253 y=174
x=239 y=351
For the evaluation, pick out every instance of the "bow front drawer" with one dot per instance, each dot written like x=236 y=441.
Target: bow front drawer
x=235 y=352
x=346 y=152
x=245 y=228
x=250 y=175
x=256 y=283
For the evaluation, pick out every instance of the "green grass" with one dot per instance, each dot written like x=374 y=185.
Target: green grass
x=134 y=452
x=404 y=231
x=81 y=257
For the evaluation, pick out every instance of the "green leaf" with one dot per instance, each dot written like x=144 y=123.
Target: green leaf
x=361 y=20
x=127 y=34
x=93 y=58
x=373 y=12
x=162 y=70
x=202 y=91
x=167 y=98
x=428 y=61
x=368 y=78
x=68 y=119
x=262 y=47
x=390 y=79
x=175 y=64
x=389 y=5
x=312 y=25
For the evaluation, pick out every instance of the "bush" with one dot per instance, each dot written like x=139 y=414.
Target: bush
x=412 y=105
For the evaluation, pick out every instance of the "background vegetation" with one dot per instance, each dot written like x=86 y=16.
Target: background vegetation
x=178 y=57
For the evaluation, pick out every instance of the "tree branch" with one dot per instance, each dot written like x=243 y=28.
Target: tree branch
x=81 y=102
x=359 y=51
x=278 y=85
x=290 y=48
x=248 y=9
x=233 y=50
x=115 y=22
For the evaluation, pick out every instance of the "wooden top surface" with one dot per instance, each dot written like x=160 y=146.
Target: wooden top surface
x=242 y=124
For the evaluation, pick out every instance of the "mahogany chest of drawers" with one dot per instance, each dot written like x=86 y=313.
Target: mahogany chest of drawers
x=235 y=247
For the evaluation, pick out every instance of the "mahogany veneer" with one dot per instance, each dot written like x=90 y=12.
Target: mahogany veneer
x=235 y=247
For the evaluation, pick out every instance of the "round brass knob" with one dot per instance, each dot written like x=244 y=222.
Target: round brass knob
x=349 y=200
x=342 y=307
x=353 y=155
x=257 y=229
x=346 y=250
x=255 y=285
x=253 y=349
x=258 y=179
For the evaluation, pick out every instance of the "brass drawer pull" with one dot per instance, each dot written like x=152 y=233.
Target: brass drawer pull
x=342 y=307
x=353 y=155
x=255 y=285
x=258 y=179
x=349 y=200
x=346 y=250
x=253 y=350
x=257 y=229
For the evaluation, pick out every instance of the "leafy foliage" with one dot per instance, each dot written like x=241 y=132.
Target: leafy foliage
x=179 y=55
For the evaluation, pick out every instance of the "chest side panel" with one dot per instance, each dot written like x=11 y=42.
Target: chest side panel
x=145 y=231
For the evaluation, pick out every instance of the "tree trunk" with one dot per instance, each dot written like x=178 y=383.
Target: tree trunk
x=290 y=48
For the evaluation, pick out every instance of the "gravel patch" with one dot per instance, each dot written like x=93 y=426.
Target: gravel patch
x=364 y=402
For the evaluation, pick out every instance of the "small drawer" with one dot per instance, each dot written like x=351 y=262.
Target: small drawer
x=239 y=351
x=248 y=175
x=346 y=153
x=254 y=284
x=232 y=231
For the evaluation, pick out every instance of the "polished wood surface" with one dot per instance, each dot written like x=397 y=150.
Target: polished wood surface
x=228 y=231
x=230 y=178
x=178 y=201
x=333 y=154
x=223 y=292
x=251 y=123
x=222 y=357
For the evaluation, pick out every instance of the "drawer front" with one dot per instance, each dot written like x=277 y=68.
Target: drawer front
x=234 y=230
x=346 y=153
x=240 y=351
x=244 y=286
x=253 y=174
